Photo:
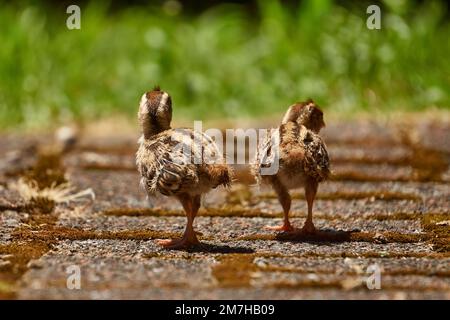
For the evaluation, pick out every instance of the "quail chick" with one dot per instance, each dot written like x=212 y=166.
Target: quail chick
x=302 y=155
x=179 y=163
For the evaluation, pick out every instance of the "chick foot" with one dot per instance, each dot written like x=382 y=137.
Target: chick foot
x=286 y=227
x=308 y=228
x=187 y=241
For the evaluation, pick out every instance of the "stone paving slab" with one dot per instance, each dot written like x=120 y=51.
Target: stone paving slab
x=230 y=227
x=121 y=269
x=374 y=213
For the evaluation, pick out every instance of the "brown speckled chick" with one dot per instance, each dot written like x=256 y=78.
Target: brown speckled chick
x=303 y=159
x=180 y=163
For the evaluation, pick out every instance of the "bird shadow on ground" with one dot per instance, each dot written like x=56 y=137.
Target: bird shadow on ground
x=324 y=236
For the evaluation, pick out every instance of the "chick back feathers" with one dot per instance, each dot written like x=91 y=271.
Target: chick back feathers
x=181 y=161
x=299 y=151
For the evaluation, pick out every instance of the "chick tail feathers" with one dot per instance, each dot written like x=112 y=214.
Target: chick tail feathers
x=220 y=174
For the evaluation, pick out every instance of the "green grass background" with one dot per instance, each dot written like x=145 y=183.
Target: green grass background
x=223 y=63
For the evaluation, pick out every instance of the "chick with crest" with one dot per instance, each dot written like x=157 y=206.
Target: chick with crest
x=180 y=163
x=303 y=159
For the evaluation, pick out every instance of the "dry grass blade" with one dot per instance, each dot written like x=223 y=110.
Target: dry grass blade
x=62 y=193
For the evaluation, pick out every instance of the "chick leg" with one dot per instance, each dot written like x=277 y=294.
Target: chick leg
x=189 y=237
x=285 y=200
x=310 y=194
x=195 y=206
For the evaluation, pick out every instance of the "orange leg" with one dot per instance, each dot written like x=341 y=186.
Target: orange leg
x=195 y=206
x=310 y=194
x=196 y=202
x=285 y=200
x=189 y=238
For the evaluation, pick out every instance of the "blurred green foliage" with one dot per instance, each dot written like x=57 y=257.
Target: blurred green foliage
x=223 y=62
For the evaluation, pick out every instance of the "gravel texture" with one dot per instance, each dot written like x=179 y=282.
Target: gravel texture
x=239 y=259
